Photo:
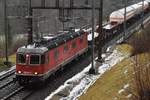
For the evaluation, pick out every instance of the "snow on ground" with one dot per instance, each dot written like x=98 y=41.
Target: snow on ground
x=126 y=71
x=82 y=81
x=121 y=91
x=76 y=30
x=126 y=86
x=129 y=96
x=4 y=72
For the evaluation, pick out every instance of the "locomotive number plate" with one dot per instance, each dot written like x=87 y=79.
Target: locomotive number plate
x=27 y=72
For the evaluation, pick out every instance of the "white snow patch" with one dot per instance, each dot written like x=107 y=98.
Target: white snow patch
x=78 y=90
x=126 y=71
x=129 y=96
x=103 y=55
x=126 y=86
x=120 y=91
x=108 y=49
x=120 y=40
x=85 y=80
x=76 y=30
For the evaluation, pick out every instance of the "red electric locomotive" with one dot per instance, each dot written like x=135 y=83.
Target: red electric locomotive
x=38 y=61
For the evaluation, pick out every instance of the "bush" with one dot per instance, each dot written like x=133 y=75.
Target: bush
x=140 y=43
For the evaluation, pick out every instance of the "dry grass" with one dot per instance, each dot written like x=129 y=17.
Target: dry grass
x=107 y=87
x=12 y=59
x=141 y=46
x=141 y=76
x=125 y=49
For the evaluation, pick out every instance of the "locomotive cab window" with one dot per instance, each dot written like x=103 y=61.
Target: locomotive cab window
x=34 y=59
x=21 y=58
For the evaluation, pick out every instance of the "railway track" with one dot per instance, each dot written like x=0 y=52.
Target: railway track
x=7 y=79
x=7 y=74
x=10 y=89
x=6 y=84
x=21 y=93
x=27 y=95
x=12 y=93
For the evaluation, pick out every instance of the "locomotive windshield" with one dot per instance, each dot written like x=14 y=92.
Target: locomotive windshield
x=35 y=59
x=21 y=58
x=30 y=59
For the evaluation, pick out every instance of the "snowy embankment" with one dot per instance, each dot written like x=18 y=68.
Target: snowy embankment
x=79 y=84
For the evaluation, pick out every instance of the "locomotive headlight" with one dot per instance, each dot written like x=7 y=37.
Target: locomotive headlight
x=35 y=73
x=27 y=55
x=19 y=72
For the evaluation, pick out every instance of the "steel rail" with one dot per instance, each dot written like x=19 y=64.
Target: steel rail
x=12 y=93
x=6 y=84
x=7 y=74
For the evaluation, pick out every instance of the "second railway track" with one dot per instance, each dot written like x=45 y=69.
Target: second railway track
x=12 y=93
x=21 y=93
x=7 y=79
x=7 y=74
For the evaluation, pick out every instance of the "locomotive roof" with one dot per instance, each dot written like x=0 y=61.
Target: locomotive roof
x=54 y=42
x=46 y=44
x=32 y=49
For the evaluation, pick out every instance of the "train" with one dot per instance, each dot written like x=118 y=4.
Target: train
x=116 y=19
x=37 y=61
